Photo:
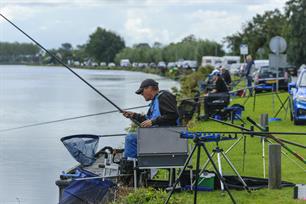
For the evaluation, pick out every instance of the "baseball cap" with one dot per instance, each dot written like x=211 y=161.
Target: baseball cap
x=146 y=83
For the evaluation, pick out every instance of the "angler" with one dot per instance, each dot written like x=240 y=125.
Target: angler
x=162 y=112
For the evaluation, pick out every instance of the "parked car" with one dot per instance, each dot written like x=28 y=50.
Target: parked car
x=297 y=93
x=303 y=66
x=292 y=70
x=192 y=64
x=267 y=76
x=235 y=69
x=152 y=65
x=134 y=64
x=260 y=63
x=125 y=63
x=161 y=64
x=111 y=64
x=103 y=64
x=171 y=65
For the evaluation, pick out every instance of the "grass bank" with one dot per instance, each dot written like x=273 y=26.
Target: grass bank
x=253 y=163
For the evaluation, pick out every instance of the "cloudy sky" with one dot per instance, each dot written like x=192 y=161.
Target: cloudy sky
x=53 y=22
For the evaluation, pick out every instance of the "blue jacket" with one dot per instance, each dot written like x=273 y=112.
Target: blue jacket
x=162 y=111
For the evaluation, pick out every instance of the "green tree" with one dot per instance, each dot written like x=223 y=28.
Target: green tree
x=66 y=51
x=258 y=32
x=79 y=54
x=190 y=48
x=103 y=45
x=296 y=15
x=18 y=52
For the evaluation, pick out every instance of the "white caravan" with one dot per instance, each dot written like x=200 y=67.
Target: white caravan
x=211 y=60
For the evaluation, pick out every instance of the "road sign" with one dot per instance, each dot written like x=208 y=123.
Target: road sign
x=244 y=49
x=278 y=45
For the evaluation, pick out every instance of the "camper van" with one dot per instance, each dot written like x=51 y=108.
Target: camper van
x=227 y=61
x=125 y=63
x=211 y=60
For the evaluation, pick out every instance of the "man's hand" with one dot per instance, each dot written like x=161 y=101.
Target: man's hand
x=146 y=123
x=128 y=114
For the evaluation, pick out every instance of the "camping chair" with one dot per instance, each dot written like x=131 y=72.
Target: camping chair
x=186 y=110
x=215 y=103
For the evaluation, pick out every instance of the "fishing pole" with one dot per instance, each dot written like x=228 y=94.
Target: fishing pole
x=113 y=135
x=66 y=66
x=269 y=135
x=283 y=140
x=66 y=119
x=259 y=134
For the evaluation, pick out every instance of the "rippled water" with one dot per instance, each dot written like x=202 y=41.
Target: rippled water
x=31 y=159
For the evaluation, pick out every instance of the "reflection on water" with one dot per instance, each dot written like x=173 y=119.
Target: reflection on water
x=32 y=158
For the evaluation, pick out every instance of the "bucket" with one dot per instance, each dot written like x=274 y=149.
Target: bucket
x=207 y=180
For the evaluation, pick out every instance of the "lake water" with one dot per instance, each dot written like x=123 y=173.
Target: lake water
x=31 y=159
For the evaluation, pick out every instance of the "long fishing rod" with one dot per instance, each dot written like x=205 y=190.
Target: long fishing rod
x=281 y=143
x=273 y=133
x=66 y=119
x=76 y=117
x=260 y=134
x=62 y=63
x=277 y=140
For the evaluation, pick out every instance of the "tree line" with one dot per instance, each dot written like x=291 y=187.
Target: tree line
x=289 y=24
x=18 y=52
x=107 y=46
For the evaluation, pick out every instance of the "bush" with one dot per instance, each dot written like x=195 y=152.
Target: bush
x=147 y=196
x=189 y=83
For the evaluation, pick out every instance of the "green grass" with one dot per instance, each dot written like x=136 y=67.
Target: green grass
x=253 y=162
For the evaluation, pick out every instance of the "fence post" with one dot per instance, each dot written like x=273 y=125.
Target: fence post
x=274 y=166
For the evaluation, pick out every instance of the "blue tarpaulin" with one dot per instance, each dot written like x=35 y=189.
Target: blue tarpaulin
x=87 y=191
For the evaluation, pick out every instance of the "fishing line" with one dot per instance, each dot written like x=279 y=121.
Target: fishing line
x=66 y=119
x=73 y=118
x=62 y=63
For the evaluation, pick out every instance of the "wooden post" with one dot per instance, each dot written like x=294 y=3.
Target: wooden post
x=274 y=166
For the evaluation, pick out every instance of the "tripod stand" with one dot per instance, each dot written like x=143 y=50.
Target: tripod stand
x=288 y=100
x=265 y=88
x=217 y=150
x=199 y=143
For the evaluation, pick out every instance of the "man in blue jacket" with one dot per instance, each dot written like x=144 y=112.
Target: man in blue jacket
x=163 y=110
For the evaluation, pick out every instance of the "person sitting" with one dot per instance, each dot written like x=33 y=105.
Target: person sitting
x=219 y=83
x=219 y=93
x=162 y=112
x=226 y=76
